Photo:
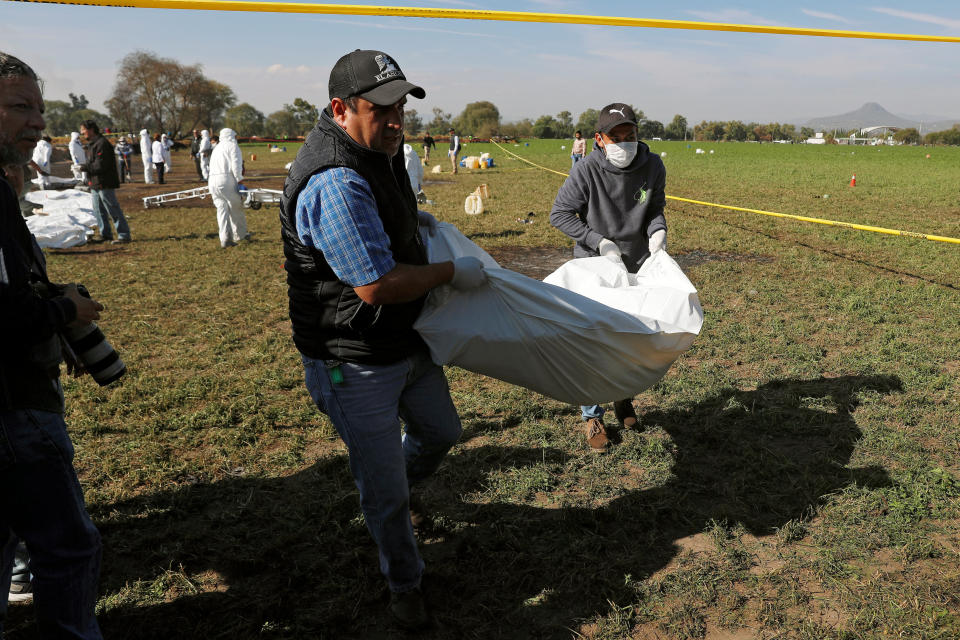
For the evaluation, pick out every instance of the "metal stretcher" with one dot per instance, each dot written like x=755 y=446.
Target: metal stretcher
x=252 y=198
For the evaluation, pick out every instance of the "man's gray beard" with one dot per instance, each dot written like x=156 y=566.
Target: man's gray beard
x=9 y=154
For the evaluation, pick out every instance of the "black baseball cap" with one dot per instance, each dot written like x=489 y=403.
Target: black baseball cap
x=615 y=114
x=372 y=75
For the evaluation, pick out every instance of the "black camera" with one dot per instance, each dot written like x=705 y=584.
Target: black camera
x=94 y=351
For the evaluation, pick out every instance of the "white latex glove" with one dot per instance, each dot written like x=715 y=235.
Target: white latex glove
x=468 y=273
x=609 y=249
x=658 y=241
x=427 y=222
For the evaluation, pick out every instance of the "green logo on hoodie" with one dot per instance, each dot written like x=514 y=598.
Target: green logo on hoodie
x=641 y=194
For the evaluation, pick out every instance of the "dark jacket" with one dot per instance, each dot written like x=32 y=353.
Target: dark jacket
x=29 y=324
x=330 y=321
x=599 y=200
x=101 y=164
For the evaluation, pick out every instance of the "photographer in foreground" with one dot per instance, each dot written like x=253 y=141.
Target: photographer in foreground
x=41 y=501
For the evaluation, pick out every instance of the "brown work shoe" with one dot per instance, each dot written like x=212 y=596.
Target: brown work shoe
x=627 y=417
x=597 y=435
x=408 y=609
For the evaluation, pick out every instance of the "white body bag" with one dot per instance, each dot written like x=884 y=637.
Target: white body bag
x=590 y=333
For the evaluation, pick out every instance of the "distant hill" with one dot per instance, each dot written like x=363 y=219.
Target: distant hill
x=872 y=114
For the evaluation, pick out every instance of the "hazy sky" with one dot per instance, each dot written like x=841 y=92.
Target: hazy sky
x=528 y=69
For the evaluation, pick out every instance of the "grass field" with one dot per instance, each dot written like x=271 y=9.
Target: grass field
x=797 y=475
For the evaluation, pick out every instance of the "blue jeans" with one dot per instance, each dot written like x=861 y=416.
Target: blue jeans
x=42 y=504
x=574 y=159
x=366 y=409
x=591 y=411
x=104 y=203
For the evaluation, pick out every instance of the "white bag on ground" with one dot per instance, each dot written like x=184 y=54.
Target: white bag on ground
x=609 y=338
x=67 y=218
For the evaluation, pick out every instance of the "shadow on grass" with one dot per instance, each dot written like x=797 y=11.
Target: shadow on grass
x=293 y=559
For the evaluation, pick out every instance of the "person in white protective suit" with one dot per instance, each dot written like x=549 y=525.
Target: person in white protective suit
x=206 y=148
x=146 y=156
x=78 y=156
x=167 y=143
x=40 y=161
x=414 y=170
x=226 y=173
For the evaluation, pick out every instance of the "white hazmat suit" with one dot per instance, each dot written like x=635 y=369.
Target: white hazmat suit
x=146 y=156
x=205 y=150
x=414 y=168
x=226 y=172
x=42 y=154
x=78 y=156
x=167 y=143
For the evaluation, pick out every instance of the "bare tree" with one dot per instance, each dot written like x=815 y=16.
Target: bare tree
x=162 y=94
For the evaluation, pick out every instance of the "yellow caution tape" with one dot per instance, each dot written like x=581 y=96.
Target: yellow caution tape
x=832 y=223
x=504 y=16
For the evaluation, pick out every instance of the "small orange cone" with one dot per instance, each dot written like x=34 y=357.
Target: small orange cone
x=853 y=180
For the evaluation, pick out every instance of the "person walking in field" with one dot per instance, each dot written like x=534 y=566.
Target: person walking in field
x=454 y=150
x=205 y=151
x=101 y=166
x=146 y=156
x=77 y=157
x=612 y=205
x=167 y=161
x=156 y=154
x=226 y=174
x=579 y=150
x=428 y=144
x=358 y=276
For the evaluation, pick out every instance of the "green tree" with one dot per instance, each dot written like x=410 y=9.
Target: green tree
x=736 y=131
x=520 y=129
x=545 y=127
x=806 y=133
x=564 y=124
x=478 y=119
x=412 y=122
x=281 y=124
x=648 y=129
x=907 y=136
x=587 y=123
x=245 y=119
x=440 y=123
x=304 y=113
x=677 y=129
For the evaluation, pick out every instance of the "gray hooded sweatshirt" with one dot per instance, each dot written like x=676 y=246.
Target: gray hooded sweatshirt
x=600 y=201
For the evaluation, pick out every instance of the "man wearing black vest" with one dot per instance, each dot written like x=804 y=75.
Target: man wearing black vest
x=358 y=275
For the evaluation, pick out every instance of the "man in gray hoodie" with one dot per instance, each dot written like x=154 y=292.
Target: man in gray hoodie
x=612 y=205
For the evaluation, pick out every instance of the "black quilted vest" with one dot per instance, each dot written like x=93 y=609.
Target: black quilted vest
x=330 y=321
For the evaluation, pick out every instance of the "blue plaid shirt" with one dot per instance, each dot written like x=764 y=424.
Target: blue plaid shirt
x=336 y=214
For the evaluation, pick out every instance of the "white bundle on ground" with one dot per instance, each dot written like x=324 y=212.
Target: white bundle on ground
x=610 y=338
x=67 y=218
x=51 y=180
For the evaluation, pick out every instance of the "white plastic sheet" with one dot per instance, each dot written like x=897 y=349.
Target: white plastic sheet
x=592 y=333
x=67 y=219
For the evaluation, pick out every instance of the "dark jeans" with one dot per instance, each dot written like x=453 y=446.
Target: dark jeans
x=196 y=161
x=42 y=504
x=159 y=166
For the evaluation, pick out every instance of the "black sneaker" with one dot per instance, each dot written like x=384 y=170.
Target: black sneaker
x=408 y=609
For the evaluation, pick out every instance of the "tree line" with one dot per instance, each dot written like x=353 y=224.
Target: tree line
x=161 y=94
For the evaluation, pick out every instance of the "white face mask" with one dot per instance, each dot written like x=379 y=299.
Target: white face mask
x=620 y=155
